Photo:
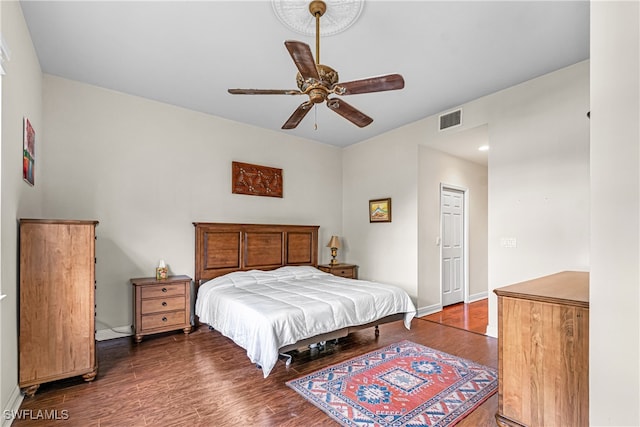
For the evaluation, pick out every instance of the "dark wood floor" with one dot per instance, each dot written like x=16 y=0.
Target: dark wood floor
x=470 y=317
x=204 y=379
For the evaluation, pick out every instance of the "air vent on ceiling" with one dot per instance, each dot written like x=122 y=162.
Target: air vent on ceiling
x=451 y=119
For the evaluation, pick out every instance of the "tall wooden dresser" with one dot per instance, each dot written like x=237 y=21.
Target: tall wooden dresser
x=57 y=302
x=543 y=351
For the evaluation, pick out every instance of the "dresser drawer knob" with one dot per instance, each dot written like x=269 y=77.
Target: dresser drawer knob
x=164 y=303
x=164 y=319
x=164 y=289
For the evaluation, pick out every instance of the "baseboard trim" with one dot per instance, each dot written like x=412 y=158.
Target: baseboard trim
x=430 y=309
x=111 y=333
x=492 y=331
x=13 y=407
x=478 y=297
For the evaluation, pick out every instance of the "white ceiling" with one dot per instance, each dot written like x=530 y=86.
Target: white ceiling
x=188 y=53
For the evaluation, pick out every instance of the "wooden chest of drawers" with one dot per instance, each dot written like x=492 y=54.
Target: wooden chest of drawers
x=56 y=337
x=543 y=351
x=161 y=305
x=349 y=271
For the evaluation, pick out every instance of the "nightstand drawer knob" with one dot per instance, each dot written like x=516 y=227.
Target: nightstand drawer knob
x=164 y=319
x=164 y=303
x=164 y=289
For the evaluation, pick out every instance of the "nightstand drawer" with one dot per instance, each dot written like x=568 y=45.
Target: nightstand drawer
x=163 y=320
x=162 y=304
x=343 y=272
x=160 y=291
x=348 y=271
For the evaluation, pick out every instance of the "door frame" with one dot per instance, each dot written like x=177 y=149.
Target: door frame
x=465 y=269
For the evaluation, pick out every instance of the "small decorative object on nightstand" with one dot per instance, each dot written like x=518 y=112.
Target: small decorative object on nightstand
x=349 y=271
x=161 y=305
x=162 y=272
x=334 y=244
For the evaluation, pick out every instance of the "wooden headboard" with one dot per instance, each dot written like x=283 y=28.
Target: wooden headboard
x=222 y=248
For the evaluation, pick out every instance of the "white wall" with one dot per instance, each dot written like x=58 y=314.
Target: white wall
x=614 y=338
x=438 y=168
x=538 y=188
x=21 y=97
x=386 y=166
x=148 y=170
x=539 y=179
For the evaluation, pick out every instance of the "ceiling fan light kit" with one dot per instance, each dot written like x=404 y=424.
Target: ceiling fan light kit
x=318 y=81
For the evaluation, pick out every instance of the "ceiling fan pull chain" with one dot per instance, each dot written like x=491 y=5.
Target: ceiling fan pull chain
x=315 y=118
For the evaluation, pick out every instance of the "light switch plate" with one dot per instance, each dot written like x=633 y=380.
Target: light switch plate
x=508 y=242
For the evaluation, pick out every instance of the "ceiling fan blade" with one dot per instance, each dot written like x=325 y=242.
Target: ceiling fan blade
x=303 y=58
x=371 y=84
x=298 y=115
x=264 y=92
x=355 y=116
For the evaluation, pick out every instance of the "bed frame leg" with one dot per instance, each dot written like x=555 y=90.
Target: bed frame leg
x=377 y=332
x=288 y=357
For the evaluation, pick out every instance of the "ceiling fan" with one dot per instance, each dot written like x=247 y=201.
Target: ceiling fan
x=319 y=81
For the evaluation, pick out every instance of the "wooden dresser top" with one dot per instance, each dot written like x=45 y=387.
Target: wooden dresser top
x=567 y=287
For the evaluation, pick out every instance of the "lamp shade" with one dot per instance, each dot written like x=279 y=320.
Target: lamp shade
x=334 y=242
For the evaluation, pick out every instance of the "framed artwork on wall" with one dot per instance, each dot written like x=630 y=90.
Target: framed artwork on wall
x=380 y=210
x=28 y=149
x=256 y=180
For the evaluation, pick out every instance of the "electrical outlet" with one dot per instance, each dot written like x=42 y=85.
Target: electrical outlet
x=508 y=242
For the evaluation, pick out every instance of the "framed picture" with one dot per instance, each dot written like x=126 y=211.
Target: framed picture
x=28 y=149
x=380 y=210
x=256 y=180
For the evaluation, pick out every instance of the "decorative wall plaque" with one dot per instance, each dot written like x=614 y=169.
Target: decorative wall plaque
x=255 y=180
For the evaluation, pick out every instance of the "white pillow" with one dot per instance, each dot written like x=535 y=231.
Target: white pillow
x=302 y=271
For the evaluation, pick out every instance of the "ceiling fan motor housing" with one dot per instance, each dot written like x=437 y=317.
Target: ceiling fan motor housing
x=318 y=89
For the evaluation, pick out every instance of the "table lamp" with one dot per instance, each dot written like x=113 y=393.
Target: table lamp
x=334 y=244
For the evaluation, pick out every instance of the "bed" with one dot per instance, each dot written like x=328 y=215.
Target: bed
x=258 y=284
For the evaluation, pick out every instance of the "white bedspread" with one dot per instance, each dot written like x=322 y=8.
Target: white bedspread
x=263 y=311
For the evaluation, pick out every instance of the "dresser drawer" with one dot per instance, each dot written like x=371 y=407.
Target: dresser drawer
x=162 y=304
x=168 y=290
x=163 y=320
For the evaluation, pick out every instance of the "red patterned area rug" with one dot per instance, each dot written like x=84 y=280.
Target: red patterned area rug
x=404 y=384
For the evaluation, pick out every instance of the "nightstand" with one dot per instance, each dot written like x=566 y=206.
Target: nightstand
x=161 y=305
x=349 y=271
